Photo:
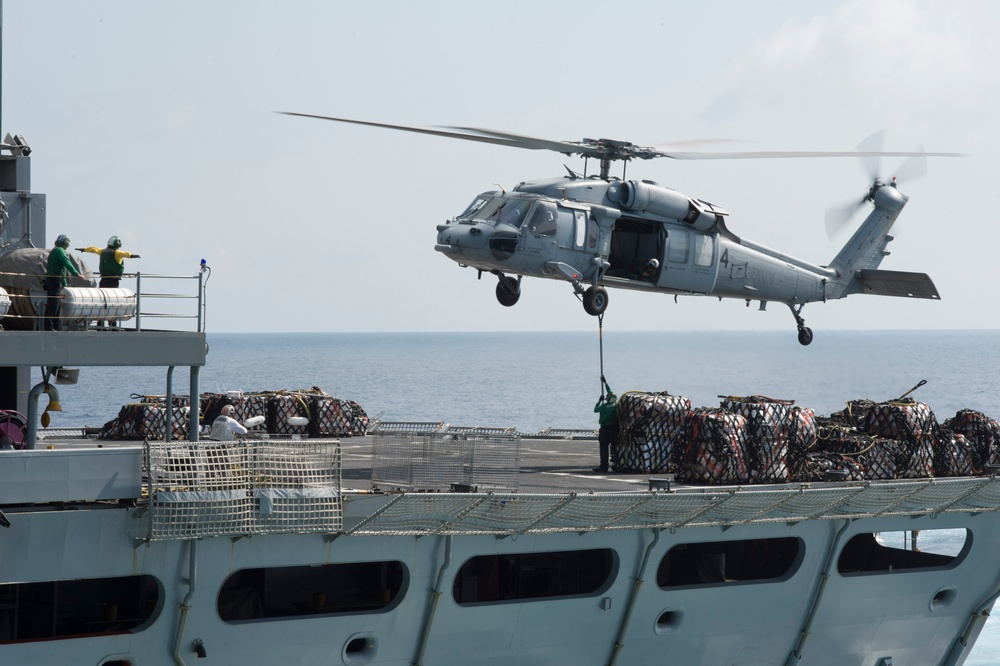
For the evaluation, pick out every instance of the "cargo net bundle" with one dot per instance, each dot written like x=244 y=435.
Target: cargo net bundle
x=775 y=441
x=145 y=420
x=212 y=489
x=877 y=440
x=653 y=431
x=717 y=450
x=438 y=461
x=659 y=432
x=326 y=416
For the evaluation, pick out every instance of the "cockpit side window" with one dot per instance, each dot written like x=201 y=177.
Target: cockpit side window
x=579 y=229
x=543 y=220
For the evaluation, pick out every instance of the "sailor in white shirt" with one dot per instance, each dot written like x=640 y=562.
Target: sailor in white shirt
x=224 y=426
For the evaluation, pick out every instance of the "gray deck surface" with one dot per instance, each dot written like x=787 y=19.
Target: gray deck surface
x=547 y=466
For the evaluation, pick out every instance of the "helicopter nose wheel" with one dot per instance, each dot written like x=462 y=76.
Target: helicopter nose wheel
x=508 y=290
x=595 y=300
x=805 y=333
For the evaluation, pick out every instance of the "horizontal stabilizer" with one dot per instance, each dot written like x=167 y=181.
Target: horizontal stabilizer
x=898 y=283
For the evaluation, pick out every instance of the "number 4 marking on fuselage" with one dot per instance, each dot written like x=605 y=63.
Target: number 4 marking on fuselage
x=724 y=259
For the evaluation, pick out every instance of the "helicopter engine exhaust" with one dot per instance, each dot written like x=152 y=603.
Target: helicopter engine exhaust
x=652 y=198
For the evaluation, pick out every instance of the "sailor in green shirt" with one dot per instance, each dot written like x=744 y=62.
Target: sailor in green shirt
x=607 y=410
x=55 y=279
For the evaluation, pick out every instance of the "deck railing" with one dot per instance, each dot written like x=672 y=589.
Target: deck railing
x=149 y=299
x=157 y=296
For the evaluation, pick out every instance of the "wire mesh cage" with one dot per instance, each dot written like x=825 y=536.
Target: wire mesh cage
x=209 y=489
x=440 y=461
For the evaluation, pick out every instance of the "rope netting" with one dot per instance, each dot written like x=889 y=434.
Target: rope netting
x=757 y=439
x=505 y=514
x=211 y=489
x=326 y=416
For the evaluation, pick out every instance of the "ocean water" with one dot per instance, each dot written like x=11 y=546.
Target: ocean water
x=534 y=380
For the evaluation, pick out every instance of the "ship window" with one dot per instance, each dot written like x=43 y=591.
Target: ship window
x=886 y=552
x=533 y=576
x=62 y=609
x=721 y=562
x=282 y=592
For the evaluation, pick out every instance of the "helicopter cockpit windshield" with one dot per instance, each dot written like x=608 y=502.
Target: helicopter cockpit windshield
x=496 y=210
x=475 y=209
x=511 y=211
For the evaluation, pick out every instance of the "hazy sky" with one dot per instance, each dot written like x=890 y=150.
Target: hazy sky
x=155 y=121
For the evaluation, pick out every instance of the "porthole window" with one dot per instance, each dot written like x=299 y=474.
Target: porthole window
x=887 y=552
x=61 y=609
x=534 y=576
x=282 y=592
x=723 y=562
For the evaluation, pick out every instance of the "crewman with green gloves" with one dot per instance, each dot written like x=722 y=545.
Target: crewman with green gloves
x=607 y=410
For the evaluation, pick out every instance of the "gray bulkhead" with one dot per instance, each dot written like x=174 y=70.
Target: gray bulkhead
x=911 y=616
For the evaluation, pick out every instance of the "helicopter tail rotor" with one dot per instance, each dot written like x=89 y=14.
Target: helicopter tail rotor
x=870 y=151
x=838 y=217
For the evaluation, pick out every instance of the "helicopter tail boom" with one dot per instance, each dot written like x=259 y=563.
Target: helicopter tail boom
x=867 y=246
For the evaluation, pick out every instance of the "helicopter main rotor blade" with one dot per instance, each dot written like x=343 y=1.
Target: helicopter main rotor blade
x=406 y=128
x=797 y=154
x=605 y=149
x=482 y=136
x=528 y=142
x=593 y=148
x=912 y=169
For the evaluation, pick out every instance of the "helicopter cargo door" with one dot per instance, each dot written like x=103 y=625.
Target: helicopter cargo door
x=689 y=262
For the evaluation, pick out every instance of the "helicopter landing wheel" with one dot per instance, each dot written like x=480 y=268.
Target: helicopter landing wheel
x=508 y=291
x=805 y=335
x=595 y=300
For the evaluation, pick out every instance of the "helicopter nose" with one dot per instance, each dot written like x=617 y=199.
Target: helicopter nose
x=470 y=241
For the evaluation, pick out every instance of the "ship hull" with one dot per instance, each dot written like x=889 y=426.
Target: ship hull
x=856 y=618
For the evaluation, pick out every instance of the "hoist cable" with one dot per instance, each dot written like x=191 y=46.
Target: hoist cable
x=600 y=339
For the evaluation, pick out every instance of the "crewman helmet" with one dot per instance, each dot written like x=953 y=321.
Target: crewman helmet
x=115 y=242
x=62 y=240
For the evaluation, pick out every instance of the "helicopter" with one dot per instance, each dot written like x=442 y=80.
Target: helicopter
x=600 y=231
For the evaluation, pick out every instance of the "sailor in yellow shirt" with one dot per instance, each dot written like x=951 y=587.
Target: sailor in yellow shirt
x=112 y=264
